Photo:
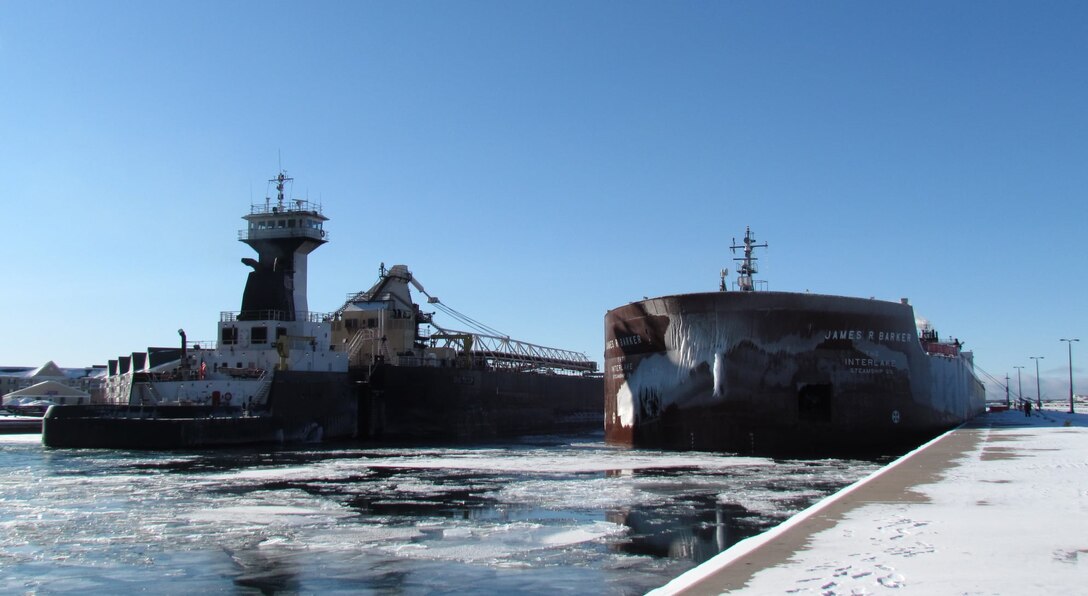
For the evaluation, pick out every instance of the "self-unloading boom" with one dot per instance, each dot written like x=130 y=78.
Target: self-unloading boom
x=385 y=313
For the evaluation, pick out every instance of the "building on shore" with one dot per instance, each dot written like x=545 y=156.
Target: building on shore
x=85 y=379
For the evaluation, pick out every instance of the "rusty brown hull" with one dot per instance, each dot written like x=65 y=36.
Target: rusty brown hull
x=778 y=373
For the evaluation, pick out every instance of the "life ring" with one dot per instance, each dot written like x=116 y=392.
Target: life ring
x=227 y=396
x=322 y=233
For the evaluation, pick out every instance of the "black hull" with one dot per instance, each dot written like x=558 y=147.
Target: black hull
x=430 y=405
x=393 y=404
x=304 y=407
x=778 y=374
x=125 y=427
x=19 y=426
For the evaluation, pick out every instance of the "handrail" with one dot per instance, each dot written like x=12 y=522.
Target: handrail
x=230 y=316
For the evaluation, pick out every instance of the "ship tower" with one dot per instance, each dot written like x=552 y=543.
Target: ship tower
x=283 y=233
x=747 y=264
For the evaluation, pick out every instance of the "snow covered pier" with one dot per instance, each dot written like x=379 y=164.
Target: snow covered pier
x=996 y=506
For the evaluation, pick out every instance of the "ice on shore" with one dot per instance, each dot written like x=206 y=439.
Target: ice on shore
x=1006 y=517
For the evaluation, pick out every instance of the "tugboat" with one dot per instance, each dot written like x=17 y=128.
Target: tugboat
x=758 y=372
x=273 y=375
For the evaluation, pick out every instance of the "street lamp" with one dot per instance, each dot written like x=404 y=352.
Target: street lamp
x=1019 y=386
x=1070 y=342
x=1038 y=392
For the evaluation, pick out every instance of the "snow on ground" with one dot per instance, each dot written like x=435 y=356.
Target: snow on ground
x=1008 y=516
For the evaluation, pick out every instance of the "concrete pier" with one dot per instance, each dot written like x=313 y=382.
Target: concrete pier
x=997 y=506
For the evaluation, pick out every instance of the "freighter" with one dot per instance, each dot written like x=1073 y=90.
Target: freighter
x=752 y=371
x=421 y=381
x=279 y=373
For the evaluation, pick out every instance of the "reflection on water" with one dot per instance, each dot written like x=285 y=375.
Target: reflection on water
x=562 y=515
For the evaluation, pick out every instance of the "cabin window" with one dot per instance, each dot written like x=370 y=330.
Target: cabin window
x=230 y=336
x=259 y=335
x=281 y=224
x=351 y=324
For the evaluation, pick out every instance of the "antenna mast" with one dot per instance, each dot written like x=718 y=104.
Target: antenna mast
x=747 y=263
x=280 y=179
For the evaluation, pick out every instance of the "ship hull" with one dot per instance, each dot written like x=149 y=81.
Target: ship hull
x=302 y=407
x=431 y=405
x=780 y=374
x=392 y=404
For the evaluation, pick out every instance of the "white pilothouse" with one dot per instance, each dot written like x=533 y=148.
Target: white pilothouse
x=273 y=331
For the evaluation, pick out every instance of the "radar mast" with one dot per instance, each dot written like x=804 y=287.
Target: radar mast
x=747 y=263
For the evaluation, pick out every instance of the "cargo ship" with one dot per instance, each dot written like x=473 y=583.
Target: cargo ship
x=279 y=373
x=423 y=381
x=752 y=371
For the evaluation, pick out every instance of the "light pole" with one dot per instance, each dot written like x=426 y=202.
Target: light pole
x=1038 y=392
x=1070 y=342
x=1019 y=387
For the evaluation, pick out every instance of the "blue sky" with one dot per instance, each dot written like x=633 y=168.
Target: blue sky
x=538 y=163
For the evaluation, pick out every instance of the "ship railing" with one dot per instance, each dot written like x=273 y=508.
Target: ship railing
x=427 y=362
x=290 y=206
x=940 y=349
x=198 y=345
x=351 y=299
x=229 y=316
x=296 y=232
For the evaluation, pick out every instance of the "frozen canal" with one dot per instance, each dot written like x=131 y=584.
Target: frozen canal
x=559 y=515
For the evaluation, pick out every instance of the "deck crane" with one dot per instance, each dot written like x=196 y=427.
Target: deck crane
x=482 y=344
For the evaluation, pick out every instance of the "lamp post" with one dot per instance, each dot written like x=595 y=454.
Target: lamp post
x=1070 y=342
x=1038 y=392
x=1019 y=386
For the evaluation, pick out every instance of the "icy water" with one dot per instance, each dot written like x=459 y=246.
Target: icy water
x=556 y=515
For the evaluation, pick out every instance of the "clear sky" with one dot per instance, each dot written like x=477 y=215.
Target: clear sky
x=538 y=163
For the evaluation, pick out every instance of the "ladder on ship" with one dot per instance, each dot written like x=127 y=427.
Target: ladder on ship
x=357 y=341
x=264 y=387
x=149 y=396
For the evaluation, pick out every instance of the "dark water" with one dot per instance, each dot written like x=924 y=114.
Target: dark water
x=559 y=515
